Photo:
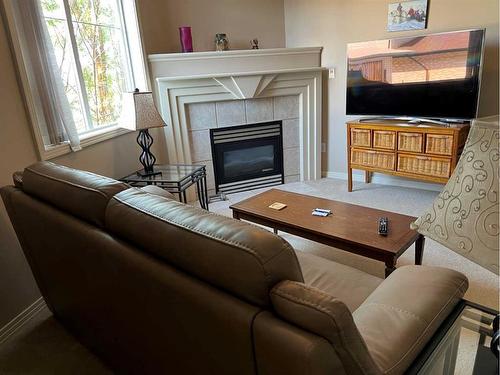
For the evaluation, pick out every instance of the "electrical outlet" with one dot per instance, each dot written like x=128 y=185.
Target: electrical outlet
x=323 y=147
x=331 y=73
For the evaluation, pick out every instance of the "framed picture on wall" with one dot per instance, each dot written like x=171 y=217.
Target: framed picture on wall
x=407 y=15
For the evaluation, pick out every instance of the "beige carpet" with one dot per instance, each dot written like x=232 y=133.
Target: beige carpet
x=484 y=285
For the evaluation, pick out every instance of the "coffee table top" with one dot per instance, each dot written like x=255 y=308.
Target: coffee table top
x=350 y=223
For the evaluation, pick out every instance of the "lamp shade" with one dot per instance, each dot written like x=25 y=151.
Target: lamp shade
x=464 y=216
x=139 y=111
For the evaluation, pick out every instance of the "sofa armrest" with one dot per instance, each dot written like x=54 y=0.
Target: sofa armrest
x=325 y=316
x=402 y=314
x=156 y=190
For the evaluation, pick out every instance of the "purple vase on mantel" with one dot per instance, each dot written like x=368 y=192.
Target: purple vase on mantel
x=186 y=38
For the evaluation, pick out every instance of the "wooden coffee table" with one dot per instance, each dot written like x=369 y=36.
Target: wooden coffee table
x=350 y=227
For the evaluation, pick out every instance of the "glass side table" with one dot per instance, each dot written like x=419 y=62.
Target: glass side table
x=176 y=179
x=461 y=345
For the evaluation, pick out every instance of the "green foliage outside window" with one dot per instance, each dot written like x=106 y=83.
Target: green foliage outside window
x=100 y=59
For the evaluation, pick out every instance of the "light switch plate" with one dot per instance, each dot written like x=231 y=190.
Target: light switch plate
x=331 y=73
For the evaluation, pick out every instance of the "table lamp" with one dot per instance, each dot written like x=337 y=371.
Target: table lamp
x=464 y=216
x=139 y=113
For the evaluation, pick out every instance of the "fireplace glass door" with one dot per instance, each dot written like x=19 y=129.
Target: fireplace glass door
x=249 y=156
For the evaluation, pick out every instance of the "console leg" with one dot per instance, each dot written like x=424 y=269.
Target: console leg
x=349 y=180
x=368 y=176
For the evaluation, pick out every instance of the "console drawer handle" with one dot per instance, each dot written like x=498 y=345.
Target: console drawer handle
x=423 y=158
x=411 y=135
x=439 y=137
x=384 y=132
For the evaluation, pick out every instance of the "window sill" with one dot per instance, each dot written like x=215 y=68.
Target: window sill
x=85 y=141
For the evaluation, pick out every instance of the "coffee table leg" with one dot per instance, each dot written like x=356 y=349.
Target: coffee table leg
x=419 y=250
x=236 y=215
x=275 y=231
x=390 y=266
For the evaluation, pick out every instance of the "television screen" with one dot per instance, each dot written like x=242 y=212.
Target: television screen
x=430 y=76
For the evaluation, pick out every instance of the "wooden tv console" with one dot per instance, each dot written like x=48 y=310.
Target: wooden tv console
x=421 y=151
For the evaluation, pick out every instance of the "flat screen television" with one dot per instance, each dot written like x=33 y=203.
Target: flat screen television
x=434 y=76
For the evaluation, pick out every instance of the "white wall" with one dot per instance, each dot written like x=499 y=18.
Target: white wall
x=333 y=24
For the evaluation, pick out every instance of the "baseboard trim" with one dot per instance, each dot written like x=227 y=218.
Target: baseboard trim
x=19 y=321
x=386 y=180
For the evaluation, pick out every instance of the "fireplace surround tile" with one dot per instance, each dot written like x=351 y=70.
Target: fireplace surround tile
x=202 y=116
x=200 y=145
x=259 y=110
x=291 y=136
x=230 y=113
x=291 y=161
x=286 y=107
x=293 y=178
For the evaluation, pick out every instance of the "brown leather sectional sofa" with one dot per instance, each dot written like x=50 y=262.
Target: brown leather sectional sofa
x=154 y=286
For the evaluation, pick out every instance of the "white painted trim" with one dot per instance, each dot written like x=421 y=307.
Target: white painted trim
x=175 y=95
x=85 y=141
x=385 y=180
x=190 y=56
x=21 y=320
x=234 y=63
x=239 y=74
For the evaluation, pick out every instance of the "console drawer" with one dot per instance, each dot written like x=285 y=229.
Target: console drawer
x=424 y=165
x=373 y=159
x=384 y=139
x=361 y=137
x=441 y=144
x=410 y=142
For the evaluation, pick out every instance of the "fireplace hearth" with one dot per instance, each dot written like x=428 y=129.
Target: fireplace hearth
x=247 y=157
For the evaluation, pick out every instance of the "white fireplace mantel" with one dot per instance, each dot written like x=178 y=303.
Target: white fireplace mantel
x=186 y=78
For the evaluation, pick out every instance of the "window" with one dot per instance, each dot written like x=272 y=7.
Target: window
x=98 y=50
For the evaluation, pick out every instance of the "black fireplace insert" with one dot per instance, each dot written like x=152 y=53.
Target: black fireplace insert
x=247 y=157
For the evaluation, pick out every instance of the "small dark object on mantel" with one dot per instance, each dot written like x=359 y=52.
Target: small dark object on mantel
x=254 y=43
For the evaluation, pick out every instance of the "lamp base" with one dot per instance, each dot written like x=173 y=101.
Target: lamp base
x=146 y=158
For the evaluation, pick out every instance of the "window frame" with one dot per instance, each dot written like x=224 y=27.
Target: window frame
x=34 y=111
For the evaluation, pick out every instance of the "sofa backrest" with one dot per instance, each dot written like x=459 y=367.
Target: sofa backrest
x=242 y=259
x=139 y=314
x=79 y=193
x=151 y=285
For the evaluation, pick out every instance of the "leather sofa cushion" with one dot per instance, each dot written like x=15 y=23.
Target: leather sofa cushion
x=326 y=316
x=349 y=285
x=240 y=258
x=401 y=315
x=79 y=193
